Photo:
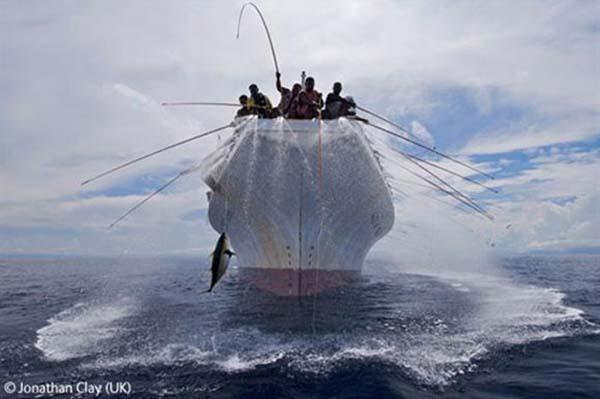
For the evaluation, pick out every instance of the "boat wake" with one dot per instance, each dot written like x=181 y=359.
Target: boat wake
x=398 y=320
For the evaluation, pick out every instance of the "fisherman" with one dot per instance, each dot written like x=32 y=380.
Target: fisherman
x=314 y=98
x=245 y=110
x=302 y=108
x=287 y=96
x=259 y=103
x=296 y=89
x=336 y=105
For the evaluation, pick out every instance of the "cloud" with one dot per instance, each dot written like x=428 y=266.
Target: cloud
x=422 y=133
x=553 y=203
x=529 y=137
x=81 y=87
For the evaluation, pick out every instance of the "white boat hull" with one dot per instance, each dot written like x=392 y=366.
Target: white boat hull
x=302 y=201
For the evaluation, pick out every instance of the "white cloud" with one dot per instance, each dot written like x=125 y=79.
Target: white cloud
x=527 y=138
x=555 y=205
x=81 y=85
x=422 y=133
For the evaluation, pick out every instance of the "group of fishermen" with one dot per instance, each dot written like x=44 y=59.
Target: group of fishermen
x=298 y=102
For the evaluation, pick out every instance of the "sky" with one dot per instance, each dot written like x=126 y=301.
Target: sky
x=511 y=86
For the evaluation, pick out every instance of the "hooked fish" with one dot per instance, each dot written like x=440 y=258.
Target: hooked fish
x=220 y=260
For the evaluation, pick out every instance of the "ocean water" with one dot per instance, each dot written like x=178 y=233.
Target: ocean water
x=534 y=332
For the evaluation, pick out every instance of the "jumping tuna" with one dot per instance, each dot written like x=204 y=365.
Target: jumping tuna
x=220 y=260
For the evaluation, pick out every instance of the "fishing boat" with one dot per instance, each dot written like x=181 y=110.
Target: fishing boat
x=303 y=201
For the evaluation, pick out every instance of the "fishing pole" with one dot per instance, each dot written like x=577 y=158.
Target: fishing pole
x=387 y=121
x=433 y=198
x=442 y=181
x=219 y=104
x=483 y=213
x=266 y=30
x=440 y=188
x=142 y=202
x=167 y=104
x=157 y=152
x=466 y=178
x=450 y=171
x=433 y=150
x=445 y=183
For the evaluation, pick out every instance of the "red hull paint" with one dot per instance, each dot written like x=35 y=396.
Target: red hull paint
x=293 y=282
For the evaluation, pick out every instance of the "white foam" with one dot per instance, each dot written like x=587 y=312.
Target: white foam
x=171 y=354
x=79 y=330
x=235 y=363
x=432 y=356
x=433 y=349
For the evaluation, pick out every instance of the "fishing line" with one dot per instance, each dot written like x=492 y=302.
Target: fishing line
x=320 y=174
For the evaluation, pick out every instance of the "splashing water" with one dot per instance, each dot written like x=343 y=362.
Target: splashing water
x=433 y=304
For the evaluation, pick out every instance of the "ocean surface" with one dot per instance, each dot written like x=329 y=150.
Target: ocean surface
x=532 y=331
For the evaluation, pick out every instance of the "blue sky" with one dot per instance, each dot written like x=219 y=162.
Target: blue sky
x=514 y=87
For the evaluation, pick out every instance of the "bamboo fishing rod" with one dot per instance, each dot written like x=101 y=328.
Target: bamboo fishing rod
x=466 y=178
x=386 y=120
x=433 y=150
x=427 y=148
x=448 y=185
x=128 y=163
x=208 y=103
x=443 y=190
x=262 y=18
x=155 y=192
x=445 y=183
x=450 y=171
x=222 y=104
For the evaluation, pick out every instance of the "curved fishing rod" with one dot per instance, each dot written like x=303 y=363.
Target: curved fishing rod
x=433 y=150
x=266 y=30
x=161 y=188
x=157 y=152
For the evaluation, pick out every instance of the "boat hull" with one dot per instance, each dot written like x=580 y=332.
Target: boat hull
x=302 y=201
